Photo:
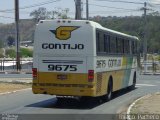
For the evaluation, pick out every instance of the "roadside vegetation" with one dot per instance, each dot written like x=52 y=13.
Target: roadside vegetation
x=143 y=107
x=1 y=53
x=133 y=25
x=24 y=52
x=9 y=87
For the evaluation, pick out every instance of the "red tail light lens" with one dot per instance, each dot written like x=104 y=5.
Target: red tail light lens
x=34 y=72
x=90 y=75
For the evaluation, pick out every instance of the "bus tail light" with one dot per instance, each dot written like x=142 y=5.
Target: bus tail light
x=90 y=75
x=34 y=72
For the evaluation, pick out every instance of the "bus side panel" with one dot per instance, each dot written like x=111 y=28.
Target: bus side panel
x=107 y=67
x=134 y=70
x=121 y=69
x=131 y=65
x=102 y=79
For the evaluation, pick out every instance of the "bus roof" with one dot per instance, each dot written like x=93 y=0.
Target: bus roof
x=97 y=25
x=92 y=23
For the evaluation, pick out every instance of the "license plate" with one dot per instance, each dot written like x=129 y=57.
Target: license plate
x=62 y=77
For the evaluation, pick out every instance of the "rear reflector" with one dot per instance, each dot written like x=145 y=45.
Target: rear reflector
x=90 y=75
x=34 y=72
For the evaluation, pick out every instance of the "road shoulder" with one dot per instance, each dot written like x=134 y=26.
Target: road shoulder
x=7 y=88
x=148 y=104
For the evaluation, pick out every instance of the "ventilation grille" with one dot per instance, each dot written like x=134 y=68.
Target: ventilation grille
x=99 y=83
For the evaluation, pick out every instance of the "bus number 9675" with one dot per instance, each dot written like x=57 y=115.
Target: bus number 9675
x=52 y=67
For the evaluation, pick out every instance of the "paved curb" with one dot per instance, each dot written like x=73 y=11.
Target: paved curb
x=130 y=107
x=15 y=91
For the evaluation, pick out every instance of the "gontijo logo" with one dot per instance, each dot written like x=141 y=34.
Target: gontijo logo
x=64 y=32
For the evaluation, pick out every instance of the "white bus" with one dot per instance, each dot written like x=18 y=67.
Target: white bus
x=83 y=59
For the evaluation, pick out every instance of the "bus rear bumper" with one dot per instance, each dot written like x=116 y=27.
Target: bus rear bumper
x=59 y=91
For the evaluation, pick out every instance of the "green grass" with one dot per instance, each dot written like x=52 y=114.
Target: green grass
x=11 y=53
x=1 y=53
x=24 y=52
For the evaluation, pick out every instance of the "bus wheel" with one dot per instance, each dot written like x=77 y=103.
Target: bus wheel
x=134 y=81
x=108 y=96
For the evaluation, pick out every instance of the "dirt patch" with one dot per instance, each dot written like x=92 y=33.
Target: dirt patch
x=9 y=87
x=148 y=105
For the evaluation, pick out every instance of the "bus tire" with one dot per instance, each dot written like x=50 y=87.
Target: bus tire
x=133 y=86
x=108 y=96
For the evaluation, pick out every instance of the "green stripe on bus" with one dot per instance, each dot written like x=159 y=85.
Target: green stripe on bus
x=127 y=72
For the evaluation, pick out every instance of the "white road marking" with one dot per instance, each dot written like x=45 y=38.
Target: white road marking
x=133 y=104
x=147 y=85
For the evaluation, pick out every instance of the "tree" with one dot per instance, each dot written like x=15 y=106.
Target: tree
x=62 y=13
x=39 y=14
x=10 y=41
x=1 y=44
x=156 y=13
x=42 y=13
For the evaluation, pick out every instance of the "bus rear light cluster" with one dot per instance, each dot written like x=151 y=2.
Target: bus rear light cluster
x=34 y=72
x=90 y=75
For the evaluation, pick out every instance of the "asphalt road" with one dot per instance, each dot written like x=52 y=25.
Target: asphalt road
x=29 y=106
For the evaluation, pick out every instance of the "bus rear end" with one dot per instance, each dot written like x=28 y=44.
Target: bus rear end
x=63 y=64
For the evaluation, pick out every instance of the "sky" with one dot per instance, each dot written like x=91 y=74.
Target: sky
x=96 y=7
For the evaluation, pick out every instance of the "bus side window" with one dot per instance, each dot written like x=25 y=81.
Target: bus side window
x=123 y=46
x=126 y=47
x=98 y=41
x=136 y=47
x=119 y=47
x=106 y=43
x=112 y=44
x=132 y=46
x=101 y=42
